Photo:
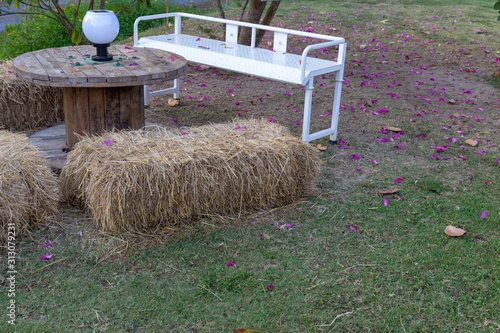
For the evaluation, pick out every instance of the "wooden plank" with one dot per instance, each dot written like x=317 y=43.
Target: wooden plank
x=54 y=71
x=82 y=110
x=21 y=70
x=112 y=117
x=89 y=72
x=138 y=70
x=97 y=108
x=34 y=67
x=135 y=113
x=172 y=69
x=69 y=100
x=125 y=105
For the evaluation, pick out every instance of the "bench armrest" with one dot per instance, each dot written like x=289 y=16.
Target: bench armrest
x=340 y=57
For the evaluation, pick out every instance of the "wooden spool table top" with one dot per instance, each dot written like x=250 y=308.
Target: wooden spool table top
x=68 y=67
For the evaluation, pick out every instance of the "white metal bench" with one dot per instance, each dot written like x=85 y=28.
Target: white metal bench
x=274 y=64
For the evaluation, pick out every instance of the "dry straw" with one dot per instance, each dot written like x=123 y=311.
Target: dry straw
x=25 y=106
x=29 y=191
x=142 y=180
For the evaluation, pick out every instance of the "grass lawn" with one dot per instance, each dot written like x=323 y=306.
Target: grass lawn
x=368 y=253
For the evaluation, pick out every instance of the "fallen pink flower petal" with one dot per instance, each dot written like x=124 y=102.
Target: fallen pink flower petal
x=386 y=201
x=231 y=264
x=382 y=139
x=244 y=127
x=198 y=39
x=343 y=147
x=270 y=287
x=288 y=225
x=132 y=51
x=172 y=58
x=477 y=118
x=47 y=257
x=498 y=161
x=398 y=180
x=462 y=157
x=271 y=120
x=374 y=161
x=128 y=47
x=358 y=169
x=107 y=142
x=9 y=72
x=352 y=228
x=134 y=64
x=484 y=214
x=47 y=244
x=355 y=156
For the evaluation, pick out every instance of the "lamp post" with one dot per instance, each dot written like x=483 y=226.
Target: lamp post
x=101 y=27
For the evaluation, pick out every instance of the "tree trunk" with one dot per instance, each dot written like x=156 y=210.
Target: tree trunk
x=271 y=11
x=253 y=15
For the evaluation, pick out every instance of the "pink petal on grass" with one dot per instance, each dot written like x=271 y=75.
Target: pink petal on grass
x=231 y=264
x=386 y=202
x=355 y=156
x=398 y=180
x=9 y=72
x=47 y=244
x=462 y=157
x=107 y=142
x=358 y=169
x=382 y=139
x=477 y=118
x=271 y=120
x=484 y=214
x=374 y=161
x=46 y=257
x=270 y=287
x=352 y=228
x=288 y=225
x=498 y=161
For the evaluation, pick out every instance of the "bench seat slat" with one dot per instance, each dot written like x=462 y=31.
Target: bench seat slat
x=239 y=58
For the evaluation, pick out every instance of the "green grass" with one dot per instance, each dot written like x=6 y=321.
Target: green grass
x=397 y=272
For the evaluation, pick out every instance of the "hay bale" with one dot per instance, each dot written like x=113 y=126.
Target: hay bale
x=29 y=191
x=26 y=106
x=146 y=179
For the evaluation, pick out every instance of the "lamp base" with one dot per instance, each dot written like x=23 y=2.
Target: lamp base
x=102 y=53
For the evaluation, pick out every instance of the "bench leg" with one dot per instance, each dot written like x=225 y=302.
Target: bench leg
x=336 y=105
x=146 y=95
x=174 y=90
x=306 y=126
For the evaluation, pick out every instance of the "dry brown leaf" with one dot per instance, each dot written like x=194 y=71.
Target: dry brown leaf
x=457 y=115
x=454 y=231
x=394 y=129
x=173 y=101
x=471 y=142
x=322 y=13
x=391 y=191
x=321 y=147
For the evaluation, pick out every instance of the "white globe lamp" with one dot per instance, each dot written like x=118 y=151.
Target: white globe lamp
x=101 y=27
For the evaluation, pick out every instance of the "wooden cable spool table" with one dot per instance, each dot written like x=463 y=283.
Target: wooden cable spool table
x=100 y=96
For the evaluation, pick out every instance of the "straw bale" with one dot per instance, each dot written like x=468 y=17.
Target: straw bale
x=142 y=180
x=26 y=106
x=29 y=191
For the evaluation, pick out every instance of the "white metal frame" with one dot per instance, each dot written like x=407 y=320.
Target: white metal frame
x=279 y=45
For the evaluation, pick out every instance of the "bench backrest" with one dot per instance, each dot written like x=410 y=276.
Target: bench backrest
x=232 y=28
